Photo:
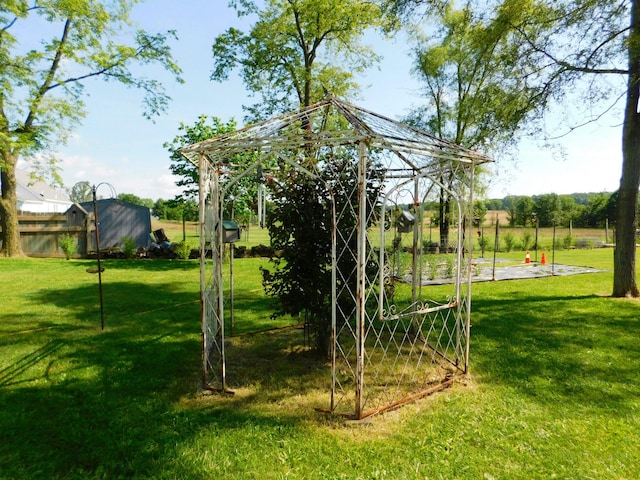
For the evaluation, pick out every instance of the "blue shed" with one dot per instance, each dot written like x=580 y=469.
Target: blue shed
x=119 y=219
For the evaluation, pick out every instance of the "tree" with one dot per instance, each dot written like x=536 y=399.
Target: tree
x=300 y=228
x=243 y=192
x=525 y=209
x=593 y=45
x=41 y=88
x=584 y=42
x=81 y=192
x=136 y=200
x=296 y=51
x=474 y=95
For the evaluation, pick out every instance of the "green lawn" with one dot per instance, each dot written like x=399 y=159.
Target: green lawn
x=554 y=390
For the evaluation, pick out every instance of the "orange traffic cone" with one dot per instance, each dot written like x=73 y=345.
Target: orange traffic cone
x=527 y=257
x=543 y=259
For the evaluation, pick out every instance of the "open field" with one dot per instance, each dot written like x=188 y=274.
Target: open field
x=554 y=390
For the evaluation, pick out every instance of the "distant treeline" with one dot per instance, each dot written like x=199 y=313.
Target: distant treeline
x=588 y=210
x=165 y=209
x=579 y=209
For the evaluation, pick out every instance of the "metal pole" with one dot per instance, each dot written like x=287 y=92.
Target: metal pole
x=334 y=296
x=361 y=277
x=202 y=178
x=95 y=217
x=233 y=323
x=495 y=246
x=537 y=230
x=260 y=205
x=467 y=323
x=415 y=249
x=553 y=251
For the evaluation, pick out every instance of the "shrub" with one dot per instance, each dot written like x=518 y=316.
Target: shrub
x=183 y=250
x=509 y=241
x=527 y=240
x=433 y=265
x=567 y=241
x=483 y=241
x=68 y=245
x=129 y=246
x=449 y=267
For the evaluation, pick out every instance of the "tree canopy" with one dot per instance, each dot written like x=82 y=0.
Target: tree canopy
x=587 y=50
x=296 y=51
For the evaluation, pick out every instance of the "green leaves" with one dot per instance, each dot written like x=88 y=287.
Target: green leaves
x=42 y=87
x=294 y=49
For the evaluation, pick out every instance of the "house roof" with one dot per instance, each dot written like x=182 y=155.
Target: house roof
x=31 y=190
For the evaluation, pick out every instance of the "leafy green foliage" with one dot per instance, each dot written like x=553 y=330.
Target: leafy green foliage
x=129 y=246
x=204 y=128
x=136 y=200
x=296 y=51
x=69 y=245
x=300 y=226
x=242 y=194
x=81 y=192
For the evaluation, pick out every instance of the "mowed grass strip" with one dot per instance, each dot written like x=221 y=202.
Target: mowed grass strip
x=553 y=389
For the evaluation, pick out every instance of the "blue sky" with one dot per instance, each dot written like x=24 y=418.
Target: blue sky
x=115 y=144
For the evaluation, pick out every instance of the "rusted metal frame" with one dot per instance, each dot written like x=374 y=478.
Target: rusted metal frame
x=423 y=393
x=203 y=174
x=361 y=277
x=217 y=273
x=334 y=298
x=416 y=274
x=467 y=325
x=462 y=317
x=420 y=311
x=398 y=146
x=270 y=126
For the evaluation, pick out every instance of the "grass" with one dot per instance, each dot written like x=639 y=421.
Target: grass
x=553 y=390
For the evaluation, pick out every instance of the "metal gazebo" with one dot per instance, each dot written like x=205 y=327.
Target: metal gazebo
x=388 y=347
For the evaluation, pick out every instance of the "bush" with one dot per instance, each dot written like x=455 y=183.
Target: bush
x=509 y=241
x=483 y=242
x=433 y=265
x=129 y=246
x=567 y=241
x=68 y=245
x=527 y=240
x=183 y=250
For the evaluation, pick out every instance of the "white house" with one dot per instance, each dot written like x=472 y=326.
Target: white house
x=38 y=197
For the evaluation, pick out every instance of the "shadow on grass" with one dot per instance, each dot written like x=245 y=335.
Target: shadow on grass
x=573 y=352
x=80 y=403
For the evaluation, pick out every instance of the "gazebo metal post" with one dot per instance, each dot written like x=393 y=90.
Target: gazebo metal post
x=218 y=251
x=467 y=323
x=361 y=277
x=203 y=175
x=334 y=296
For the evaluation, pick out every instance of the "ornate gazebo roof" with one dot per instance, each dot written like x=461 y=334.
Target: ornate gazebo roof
x=334 y=122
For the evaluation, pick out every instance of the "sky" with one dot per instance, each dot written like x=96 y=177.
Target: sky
x=117 y=146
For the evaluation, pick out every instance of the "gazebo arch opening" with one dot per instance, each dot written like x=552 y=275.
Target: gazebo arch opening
x=393 y=339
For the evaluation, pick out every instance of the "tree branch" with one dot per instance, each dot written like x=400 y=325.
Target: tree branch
x=49 y=78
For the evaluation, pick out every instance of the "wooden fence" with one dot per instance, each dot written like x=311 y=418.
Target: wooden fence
x=40 y=234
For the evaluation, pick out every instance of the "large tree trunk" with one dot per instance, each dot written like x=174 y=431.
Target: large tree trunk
x=9 y=208
x=624 y=265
